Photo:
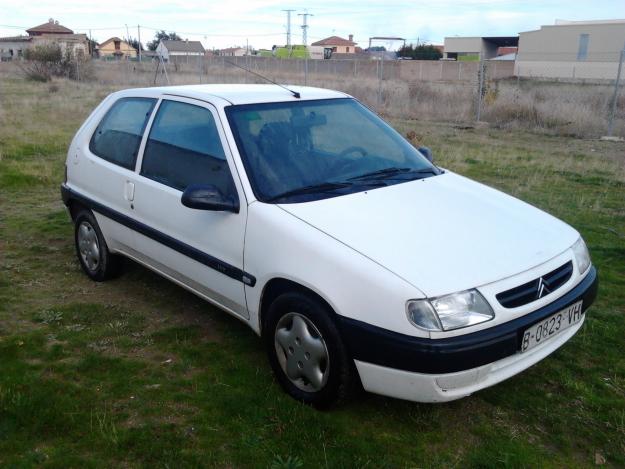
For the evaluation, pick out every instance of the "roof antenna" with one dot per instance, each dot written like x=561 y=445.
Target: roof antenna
x=294 y=93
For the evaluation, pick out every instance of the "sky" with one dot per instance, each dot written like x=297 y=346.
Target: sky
x=219 y=24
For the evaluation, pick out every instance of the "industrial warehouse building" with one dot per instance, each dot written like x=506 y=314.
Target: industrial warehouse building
x=572 y=49
x=476 y=48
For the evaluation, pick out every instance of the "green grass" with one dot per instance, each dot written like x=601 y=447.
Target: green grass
x=138 y=372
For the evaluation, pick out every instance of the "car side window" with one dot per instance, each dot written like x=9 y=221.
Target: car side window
x=184 y=148
x=118 y=136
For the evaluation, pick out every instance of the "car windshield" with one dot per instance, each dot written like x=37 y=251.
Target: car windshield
x=300 y=151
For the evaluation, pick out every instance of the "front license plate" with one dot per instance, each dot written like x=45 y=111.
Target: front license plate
x=551 y=326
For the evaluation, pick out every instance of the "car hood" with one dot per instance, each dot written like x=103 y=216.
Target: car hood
x=442 y=234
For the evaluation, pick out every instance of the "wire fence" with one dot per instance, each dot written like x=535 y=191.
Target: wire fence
x=457 y=92
x=445 y=91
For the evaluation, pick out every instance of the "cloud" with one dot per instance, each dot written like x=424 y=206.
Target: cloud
x=263 y=22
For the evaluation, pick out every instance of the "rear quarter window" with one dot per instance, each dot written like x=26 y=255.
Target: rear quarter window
x=118 y=135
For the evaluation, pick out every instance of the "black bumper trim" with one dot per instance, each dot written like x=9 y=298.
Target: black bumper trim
x=390 y=349
x=231 y=271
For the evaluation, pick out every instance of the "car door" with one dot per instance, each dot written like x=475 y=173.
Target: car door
x=104 y=165
x=200 y=249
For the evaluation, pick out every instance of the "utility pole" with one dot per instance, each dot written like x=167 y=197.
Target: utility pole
x=139 y=38
x=305 y=26
x=288 y=29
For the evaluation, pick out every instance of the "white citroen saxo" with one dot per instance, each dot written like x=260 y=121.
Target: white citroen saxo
x=303 y=214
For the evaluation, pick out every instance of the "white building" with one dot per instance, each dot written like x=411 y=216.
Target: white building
x=572 y=49
x=179 y=50
x=233 y=52
x=47 y=33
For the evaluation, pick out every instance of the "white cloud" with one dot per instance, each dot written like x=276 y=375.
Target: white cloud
x=263 y=22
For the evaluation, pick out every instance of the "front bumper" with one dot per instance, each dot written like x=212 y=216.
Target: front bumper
x=388 y=361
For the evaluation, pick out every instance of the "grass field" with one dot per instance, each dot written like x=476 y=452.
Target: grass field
x=138 y=372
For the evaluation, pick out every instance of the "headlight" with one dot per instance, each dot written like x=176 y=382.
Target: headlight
x=582 y=256
x=449 y=312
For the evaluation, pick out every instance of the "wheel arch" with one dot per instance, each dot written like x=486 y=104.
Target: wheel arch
x=75 y=207
x=276 y=287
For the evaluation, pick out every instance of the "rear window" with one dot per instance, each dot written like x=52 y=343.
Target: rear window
x=118 y=136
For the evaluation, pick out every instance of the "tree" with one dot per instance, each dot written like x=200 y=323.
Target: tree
x=162 y=36
x=420 y=52
x=135 y=43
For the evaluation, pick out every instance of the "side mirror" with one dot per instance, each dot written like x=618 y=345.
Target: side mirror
x=427 y=152
x=208 y=197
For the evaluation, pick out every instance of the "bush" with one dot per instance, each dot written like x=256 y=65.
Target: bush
x=42 y=62
x=45 y=61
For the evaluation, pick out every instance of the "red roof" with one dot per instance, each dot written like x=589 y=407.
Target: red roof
x=507 y=50
x=334 y=41
x=51 y=27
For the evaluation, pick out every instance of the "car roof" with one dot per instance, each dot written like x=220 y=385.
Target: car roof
x=247 y=94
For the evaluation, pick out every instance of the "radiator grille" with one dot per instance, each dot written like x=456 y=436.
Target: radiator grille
x=538 y=288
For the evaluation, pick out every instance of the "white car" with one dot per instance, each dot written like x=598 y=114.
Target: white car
x=306 y=216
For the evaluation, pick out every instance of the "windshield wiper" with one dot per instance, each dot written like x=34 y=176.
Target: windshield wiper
x=312 y=189
x=386 y=173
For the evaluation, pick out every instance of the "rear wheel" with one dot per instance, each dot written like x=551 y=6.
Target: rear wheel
x=91 y=249
x=306 y=352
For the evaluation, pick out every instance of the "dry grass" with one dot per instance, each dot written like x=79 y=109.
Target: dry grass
x=579 y=110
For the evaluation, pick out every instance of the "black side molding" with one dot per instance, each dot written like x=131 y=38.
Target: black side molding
x=382 y=347
x=231 y=271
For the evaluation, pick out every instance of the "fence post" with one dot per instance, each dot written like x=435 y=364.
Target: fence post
x=615 y=95
x=480 y=89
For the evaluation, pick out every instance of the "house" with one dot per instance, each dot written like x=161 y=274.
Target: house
x=476 y=48
x=232 y=52
x=51 y=27
x=117 y=48
x=46 y=33
x=338 y=44
x=13 y=47
x=572 y=49
x=180 y=50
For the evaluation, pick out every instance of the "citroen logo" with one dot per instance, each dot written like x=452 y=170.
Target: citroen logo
x=543 y=288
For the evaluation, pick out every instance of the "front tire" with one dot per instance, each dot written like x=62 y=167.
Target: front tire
x=91 y=249
x=306 y=352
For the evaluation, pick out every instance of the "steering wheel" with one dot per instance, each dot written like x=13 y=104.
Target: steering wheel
x=353 y=149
